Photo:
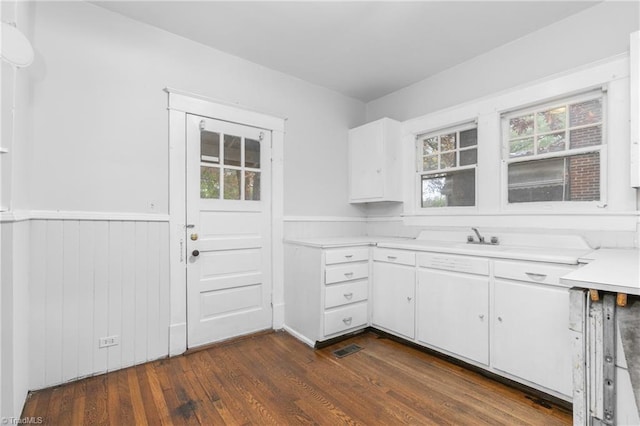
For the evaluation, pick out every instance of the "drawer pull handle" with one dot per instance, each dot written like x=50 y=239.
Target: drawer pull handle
x=347 y=321
x=348 y=295
x=348 y=274
x=536 y=277
x=348 y=256
x=392 y=257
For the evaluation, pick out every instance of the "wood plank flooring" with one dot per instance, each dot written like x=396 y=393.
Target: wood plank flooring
x=275 y=379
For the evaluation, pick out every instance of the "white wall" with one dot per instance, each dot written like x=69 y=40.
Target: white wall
x=593 y=34
x=94 y=145
x=100 y=122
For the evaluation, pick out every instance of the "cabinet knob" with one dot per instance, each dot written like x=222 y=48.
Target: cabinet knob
x=481 y=316
x=500 y=319
x=409 y=298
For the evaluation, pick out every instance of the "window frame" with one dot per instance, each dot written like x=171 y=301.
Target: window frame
x=418 y=152
x=602 y=149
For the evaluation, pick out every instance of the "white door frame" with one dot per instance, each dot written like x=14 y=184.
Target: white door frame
x=181 y=104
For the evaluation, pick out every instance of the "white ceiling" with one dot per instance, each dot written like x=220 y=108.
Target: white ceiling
x=364 y=50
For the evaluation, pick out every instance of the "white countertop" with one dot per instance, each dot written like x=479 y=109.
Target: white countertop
x=333 y=242
x=535 y=254
x=615 y=270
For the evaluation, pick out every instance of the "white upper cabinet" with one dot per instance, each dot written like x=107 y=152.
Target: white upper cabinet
x=375 y=158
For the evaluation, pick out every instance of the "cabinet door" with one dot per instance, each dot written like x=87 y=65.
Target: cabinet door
x=531 y=336
x=394 y=298
x=366 y=161
x=453 y=313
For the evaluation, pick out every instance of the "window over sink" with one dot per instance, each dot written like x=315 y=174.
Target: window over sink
x=447 y=162
x=553 y=151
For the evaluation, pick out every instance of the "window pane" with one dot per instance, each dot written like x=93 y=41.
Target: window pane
x=447 y=160
x=468 y=138
x=210 y=147
x=551 y=143
x=586 y=136
x=587 y=112
x=430 y=145
x=232 y=183
x=448 y=142
x=541 y=180
x=252 y=186
x=521 y=147
x=584 y=177
x=468 y=157
x=209 y=182
x=231 y=151
x=430 y=163
x=521 y=126
x=553 y=119
x=573 y=178
x=449 y=189
x=252 y=153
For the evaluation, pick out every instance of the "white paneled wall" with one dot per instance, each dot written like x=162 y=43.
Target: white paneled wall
x=92 y=279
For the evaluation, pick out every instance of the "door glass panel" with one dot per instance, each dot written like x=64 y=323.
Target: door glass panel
x=232 y=154
x=209 y=182
x=252 y=153
x=252 y=186
x=231 y=183
x=210 y=147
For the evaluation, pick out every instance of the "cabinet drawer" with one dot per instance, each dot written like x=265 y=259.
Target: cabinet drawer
x=354 y=254
x=346 y=272
x=394 y=256
x=535 y=272
x=452 y=262
x=342 y=294
x=345 y=318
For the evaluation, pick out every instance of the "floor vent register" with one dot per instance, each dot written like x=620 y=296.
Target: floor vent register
x=347 y=350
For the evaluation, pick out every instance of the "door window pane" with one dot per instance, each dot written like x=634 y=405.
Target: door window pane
x=252 y=186
x=232 y=184
x=449 y=189
x=209 y=182
x=209 y=147
x=232 y=150
x=252 y=153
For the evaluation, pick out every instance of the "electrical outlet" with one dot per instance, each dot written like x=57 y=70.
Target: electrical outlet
x=105 y=342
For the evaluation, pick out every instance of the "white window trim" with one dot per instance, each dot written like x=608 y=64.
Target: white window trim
x=419 y=173
x=556 y=206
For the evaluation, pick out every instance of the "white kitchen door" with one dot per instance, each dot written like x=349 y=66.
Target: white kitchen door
x=228 y=230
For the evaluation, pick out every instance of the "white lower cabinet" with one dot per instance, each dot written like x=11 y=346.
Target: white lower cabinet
x=453 y=313
x=531 y=337
x=393 y=298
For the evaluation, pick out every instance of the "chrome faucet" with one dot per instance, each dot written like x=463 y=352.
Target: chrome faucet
x=494 y=240
x=480 y=237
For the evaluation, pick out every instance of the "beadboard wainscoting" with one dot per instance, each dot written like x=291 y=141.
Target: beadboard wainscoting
x=91 y=279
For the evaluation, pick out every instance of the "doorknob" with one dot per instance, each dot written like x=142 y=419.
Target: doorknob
x=195 y=253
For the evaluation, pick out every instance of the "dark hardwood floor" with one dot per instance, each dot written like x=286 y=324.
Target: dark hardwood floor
x=275 y=379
